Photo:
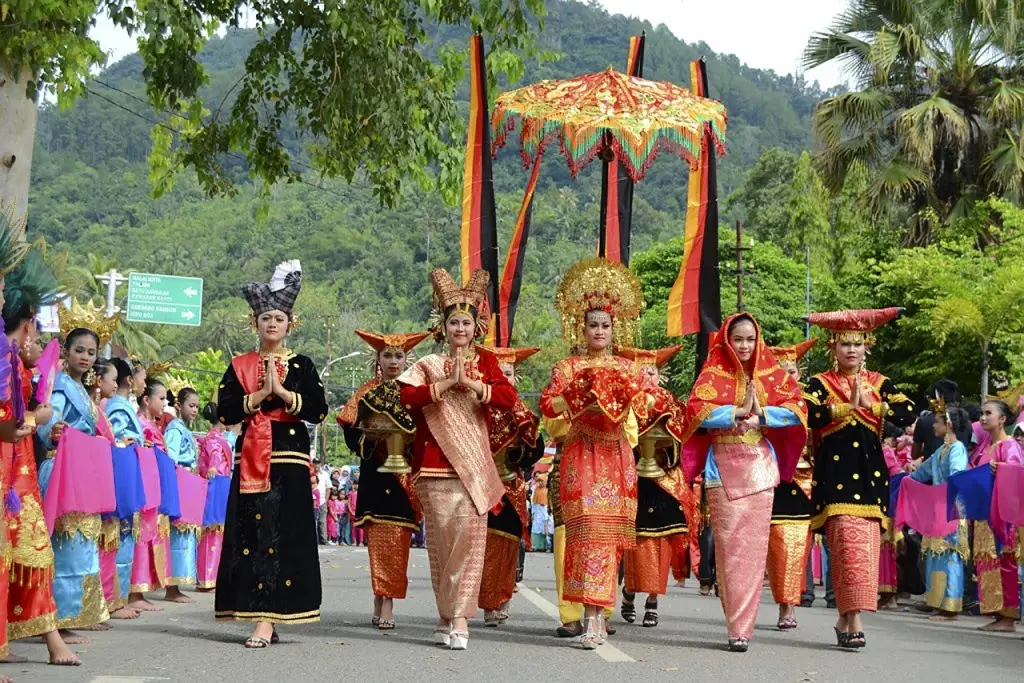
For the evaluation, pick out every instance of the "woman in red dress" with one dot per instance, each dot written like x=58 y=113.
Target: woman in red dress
x=600 y=394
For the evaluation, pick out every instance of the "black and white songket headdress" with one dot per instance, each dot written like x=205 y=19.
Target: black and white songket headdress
x=277 y=295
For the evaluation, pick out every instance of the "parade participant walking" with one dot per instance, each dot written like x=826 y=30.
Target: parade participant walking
x=216 y=457
x=387 y=506
x=601 y=395
x=516 y=447
x=752 y=421
x=848 y=408
x=183 y=449
x=269 y=567
x=789 y=544
x=457 y=482
x=665 y=503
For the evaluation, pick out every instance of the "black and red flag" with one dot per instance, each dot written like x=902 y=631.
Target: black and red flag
x=695 y=304
x=616 y=186
x=479 y=224
x=512 y=273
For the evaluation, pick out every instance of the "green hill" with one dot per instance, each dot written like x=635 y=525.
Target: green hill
x=365 y=266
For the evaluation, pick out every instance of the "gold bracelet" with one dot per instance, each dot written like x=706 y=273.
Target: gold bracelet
x=840 y=411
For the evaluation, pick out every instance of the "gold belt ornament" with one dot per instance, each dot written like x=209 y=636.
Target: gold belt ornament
x=751 y=438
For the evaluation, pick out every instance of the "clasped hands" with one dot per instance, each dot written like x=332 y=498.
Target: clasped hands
x=861 y=396
x=457 y=378
x=271 y=387
x=748 y=416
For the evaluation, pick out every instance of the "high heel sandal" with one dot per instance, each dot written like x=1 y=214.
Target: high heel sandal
x=602 y=629
x=459 y=639
x=591 y=636
x=443 y=635
x=650 y=614
x=628 y=606
x=739 y=644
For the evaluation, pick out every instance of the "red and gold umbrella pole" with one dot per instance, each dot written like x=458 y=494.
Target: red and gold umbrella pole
x=616 y=185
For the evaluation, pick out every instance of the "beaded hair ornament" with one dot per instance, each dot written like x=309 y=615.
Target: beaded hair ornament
x=598 y=284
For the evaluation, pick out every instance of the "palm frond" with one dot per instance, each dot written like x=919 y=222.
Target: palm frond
x=934 y=121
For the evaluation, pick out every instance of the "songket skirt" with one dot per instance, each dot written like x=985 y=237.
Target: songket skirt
x=944 y=561
x=182 y=555
x=597 y=482
x=741 y=550
x=269 y=564
x=853 y=545
x=456 y=545
x=388 y=548
x=646 y=567
x=789 y=544
x=996 y=567
x=149 y=562
x=77 y=585
x=31 y=610
x=211 y=540
x=501 y=558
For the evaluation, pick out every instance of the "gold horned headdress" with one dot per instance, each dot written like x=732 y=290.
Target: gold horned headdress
x=854 y=325
x=87 y=316
x=451 y=299
x=598 y=284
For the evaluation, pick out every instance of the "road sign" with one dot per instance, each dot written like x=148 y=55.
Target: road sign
x=166 y=299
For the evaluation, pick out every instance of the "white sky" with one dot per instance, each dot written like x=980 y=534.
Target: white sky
x=763 y=34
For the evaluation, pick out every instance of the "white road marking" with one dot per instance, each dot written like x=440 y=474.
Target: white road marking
x=608 y=652
x=126 y=679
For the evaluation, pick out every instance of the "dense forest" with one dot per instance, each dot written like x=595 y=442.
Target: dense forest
x=365 y=266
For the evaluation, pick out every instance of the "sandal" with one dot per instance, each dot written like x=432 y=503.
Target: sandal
x=591 y=637
x=274 y=638
x=739 y=644
x=840 y=637
x=787 y=624
x=856 y=640
x=386 y=625
x=628 y=606
x=443 y=636
x=459 y=640
x=374 y=621
x=256 y=643
x=650 y=614
x=492 y=618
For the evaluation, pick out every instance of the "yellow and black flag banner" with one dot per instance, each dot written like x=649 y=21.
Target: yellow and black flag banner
x=694 y=304
x=479 y=227
x=512 y=273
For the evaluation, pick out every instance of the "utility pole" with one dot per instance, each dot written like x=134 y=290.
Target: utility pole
x=111 y=279
x=807 y=294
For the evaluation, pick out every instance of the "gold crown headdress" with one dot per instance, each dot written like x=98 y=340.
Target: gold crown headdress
x=176 y=384
x=598 y=284
x=87 y=316
x=450 y=299
x=938 y=406
x=154 y=370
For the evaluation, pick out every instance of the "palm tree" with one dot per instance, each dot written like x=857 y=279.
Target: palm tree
x=936 y=113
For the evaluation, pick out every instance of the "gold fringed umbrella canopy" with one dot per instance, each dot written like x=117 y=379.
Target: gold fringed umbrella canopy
x=634 y=117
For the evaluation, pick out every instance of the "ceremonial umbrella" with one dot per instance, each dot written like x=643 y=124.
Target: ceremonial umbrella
x=633 y=117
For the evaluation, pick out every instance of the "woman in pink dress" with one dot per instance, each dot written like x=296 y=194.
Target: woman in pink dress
x=215 y=462
x=358 y=534
x=336 y=508
x=994 y=550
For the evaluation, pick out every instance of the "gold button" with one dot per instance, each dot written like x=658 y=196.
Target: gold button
x=836 y=457
x=856 y=444
x=856 y=496
x=680 y=507
x=818 y=506
x=295 y=365
x=387 y=491
x=222 y=386
x=408 y=407
x=839 y=487
x=814 y=483
x=872 y=483
x=271 y=551
x=877 y=473
x=856 y=476
x=245 y=551
x=292 y=432
x=259 y=586
x=650 y=509
x=288 y=582
x=258 y=516
x=792 y=492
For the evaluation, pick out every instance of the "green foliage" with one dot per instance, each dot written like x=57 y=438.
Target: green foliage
x=203 y=371
x=936 y=116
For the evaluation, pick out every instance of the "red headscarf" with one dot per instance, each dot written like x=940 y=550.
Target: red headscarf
x=723 y=381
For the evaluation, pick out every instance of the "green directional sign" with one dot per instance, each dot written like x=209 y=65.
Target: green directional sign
x=166 y=299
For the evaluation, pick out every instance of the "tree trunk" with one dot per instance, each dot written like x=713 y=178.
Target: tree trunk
x=984 y=371
x=17 y=135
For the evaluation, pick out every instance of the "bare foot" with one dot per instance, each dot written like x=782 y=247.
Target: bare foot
x=943 y=616
x=97 y=627
x=1000 y=625
x=13 y=659
x=174 y=594
x=125 y=613
x=205 y=590
x=138 y=602
x=888 y=603
x=6 y=679
x=60 y=653
x=72 y=638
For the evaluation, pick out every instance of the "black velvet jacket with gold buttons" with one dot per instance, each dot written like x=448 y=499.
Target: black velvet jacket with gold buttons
x=850 y=474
